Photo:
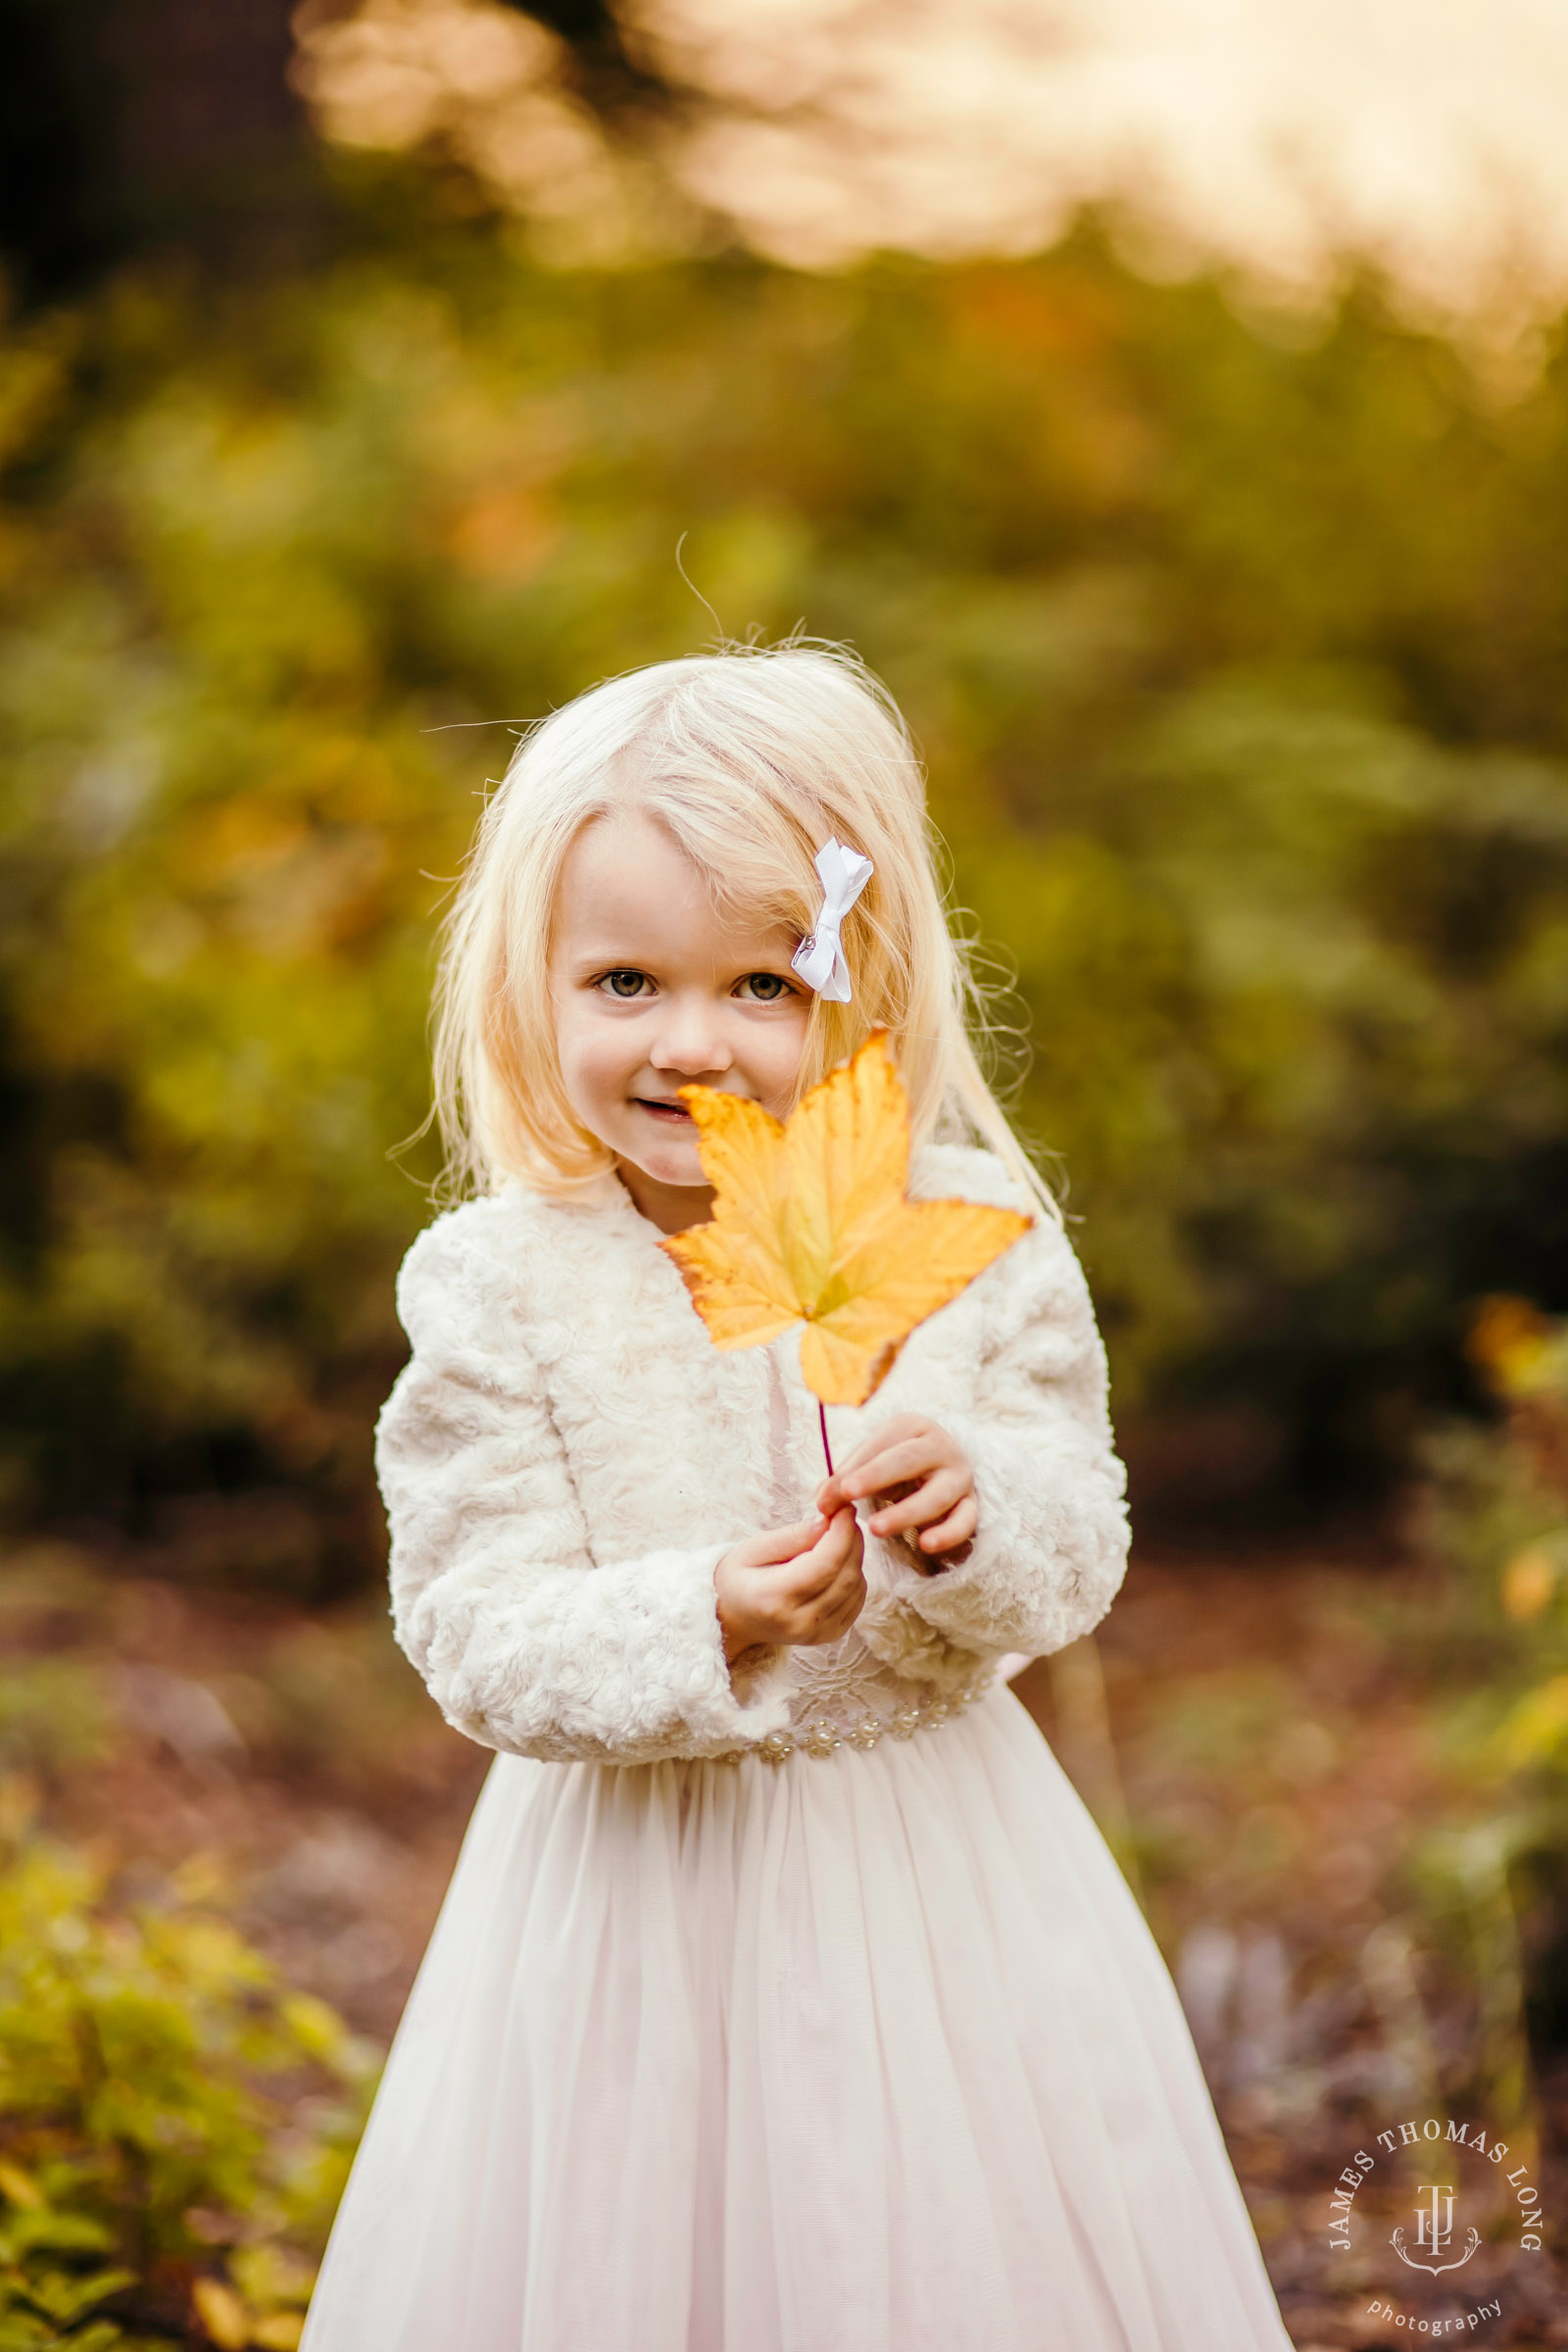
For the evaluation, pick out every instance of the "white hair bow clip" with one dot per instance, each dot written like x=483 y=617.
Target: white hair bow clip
x=820 y=958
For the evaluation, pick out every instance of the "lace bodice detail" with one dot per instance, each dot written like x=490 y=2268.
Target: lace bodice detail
x=842 y=1692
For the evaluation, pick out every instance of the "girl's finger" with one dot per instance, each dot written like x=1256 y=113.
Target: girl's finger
x=778 y=1544
x=844 y=1487
x=830 y=1494
x=956 y=1527
x=840 y=1613
x=845 y=1588
x=906 y=1429
x=931 y=1501
x=841 y=1535
x=914 y=1457
x=827 y=1556
x=834 y=1612
x=851 y=1578
x=903 y=1426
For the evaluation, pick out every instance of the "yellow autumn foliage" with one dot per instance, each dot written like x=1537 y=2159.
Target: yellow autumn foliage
x=1528 y=1583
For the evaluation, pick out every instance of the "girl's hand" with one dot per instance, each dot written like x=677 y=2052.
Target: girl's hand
x=921 y=1484
x=795 y=1585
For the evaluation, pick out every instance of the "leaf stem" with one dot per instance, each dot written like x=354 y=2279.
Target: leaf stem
x=827 y=1452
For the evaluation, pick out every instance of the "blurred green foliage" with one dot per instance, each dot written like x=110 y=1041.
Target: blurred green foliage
x=1491 y=1632
x=1237 y=654
x=175 y=2125
x=1494 y=1523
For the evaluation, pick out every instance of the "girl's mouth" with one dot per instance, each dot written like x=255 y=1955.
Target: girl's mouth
x=669 y=1114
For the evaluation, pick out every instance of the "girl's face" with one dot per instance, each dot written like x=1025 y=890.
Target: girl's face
x=654 y=989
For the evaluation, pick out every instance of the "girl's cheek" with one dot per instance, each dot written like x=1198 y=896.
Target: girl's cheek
x=776 y=1063
x=595 y=1058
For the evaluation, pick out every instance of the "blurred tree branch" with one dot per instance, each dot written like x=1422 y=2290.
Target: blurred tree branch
x=617 y=77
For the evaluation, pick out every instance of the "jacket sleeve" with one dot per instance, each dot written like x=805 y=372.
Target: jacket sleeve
x=526 y=1642
x=1051 y=1546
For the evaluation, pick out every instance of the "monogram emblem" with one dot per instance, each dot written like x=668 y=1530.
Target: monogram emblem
x=1434 y=2233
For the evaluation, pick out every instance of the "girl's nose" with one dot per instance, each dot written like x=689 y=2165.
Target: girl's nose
x=691 y=1038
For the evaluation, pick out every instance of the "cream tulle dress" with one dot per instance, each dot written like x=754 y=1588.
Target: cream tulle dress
x=855 y=2042
x=855 y=2052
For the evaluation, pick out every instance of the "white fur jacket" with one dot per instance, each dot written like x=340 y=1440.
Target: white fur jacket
x=567 y=1455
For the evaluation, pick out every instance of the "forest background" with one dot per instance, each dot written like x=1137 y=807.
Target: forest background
x=1236 y=639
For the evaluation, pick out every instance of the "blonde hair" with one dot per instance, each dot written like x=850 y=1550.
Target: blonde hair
x=751 y=758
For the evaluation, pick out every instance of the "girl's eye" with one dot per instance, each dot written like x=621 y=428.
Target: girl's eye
x=625 y=981
x=765 y=987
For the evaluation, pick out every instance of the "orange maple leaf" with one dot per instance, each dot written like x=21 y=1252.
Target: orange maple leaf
x=811 y=1224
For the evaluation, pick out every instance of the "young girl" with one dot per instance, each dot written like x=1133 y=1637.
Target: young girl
x=785 y=1998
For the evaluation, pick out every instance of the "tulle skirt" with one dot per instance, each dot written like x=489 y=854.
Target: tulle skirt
x=859 y=2053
